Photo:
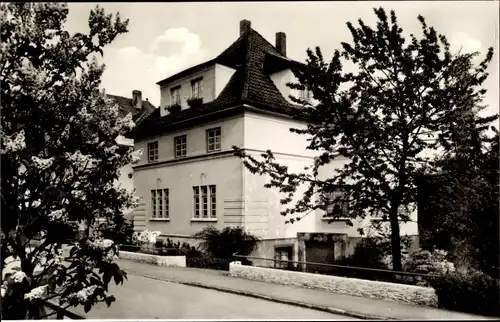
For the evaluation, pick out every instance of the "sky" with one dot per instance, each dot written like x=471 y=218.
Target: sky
x=165 y=38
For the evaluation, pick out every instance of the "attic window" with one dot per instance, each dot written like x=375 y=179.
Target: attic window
x=305 y=94
x=175 y=95
x=197 y=87
x=337 y=204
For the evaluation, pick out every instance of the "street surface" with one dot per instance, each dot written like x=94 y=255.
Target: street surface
x=144 y=298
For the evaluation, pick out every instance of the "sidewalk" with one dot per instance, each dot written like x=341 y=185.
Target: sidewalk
x=358 y=307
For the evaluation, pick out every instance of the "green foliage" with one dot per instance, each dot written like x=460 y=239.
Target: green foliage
x=59 y=157
x=367 y=253
x=470 y=291
x=428 y=262
x=460 y=204
x=207 y=261
x=223 y=244
x=410 y=97
x=119 y=229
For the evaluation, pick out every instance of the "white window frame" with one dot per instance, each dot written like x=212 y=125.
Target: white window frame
x=279 y=251
x=175 y=95
x=214 y=139
x=153 y=151
x=197 y=88
x=160 y=204
x=338 y=192
x=305 y=94
x=204 y=203
x=180 y=146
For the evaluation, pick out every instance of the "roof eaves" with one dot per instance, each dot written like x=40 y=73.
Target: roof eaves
x=187 y=71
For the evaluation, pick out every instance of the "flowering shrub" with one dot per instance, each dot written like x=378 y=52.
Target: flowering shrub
x=428 y=262
x=145 y=237
x=60 y=160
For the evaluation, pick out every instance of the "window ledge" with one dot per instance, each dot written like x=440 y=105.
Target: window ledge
x=159 y=219
x=335 y=219
x=203 y=219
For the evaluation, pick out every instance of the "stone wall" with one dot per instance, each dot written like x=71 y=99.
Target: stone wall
x=403 y=293
x=173 y=261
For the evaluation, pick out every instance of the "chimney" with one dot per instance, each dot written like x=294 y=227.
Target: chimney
x=281 y=42
x=137 y=99
x=245 y=25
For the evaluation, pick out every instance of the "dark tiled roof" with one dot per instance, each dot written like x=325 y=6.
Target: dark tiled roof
x=250 y=85
x=126 y=107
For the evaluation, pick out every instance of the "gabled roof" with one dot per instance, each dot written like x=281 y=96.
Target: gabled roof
x=126 y=106
x=250 y=85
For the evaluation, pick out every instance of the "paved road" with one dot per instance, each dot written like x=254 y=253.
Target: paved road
x=144 y=298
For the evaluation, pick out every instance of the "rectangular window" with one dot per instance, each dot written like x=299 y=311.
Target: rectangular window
x=283 y=254
x=166 y=214
x=160 y=204
x=180 y=144
x=213 y=202
x=204 y=196
x=159 y=194
x=305 y=94
x=153 y=151
x=175 y=95
x=214 y=139
x=196 y=196
x=337 y=203
x=205 y=202
x=197 y=88
x=153 y=203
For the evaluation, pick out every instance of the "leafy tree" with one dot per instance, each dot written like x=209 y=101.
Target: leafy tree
x=402 y=104
x=59 y=159
x=461 y=212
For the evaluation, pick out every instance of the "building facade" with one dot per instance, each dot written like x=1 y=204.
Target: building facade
x=140 y=110
x=189 y=177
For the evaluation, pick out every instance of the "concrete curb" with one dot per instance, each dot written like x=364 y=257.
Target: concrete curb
x=272 y=299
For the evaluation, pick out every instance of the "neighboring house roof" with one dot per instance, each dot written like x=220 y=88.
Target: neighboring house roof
x=126 y=106
x=250 y=85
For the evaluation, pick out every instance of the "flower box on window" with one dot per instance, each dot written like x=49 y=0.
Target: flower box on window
x=174 y=108
x=195 y=101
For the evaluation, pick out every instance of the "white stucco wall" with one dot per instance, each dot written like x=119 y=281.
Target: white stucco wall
x=179 y=176
x=281 y=79
x=215 y=78
x=208 y=75
x=222 y=76
x=266 y=132
x=231 y=134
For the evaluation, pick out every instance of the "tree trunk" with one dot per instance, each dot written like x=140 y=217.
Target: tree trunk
x=395 y=239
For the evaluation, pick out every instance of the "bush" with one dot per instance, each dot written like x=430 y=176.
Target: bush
x=470 y=291
x=223 y=244
x=205 y=261
x=427 y=262
x=118 y=229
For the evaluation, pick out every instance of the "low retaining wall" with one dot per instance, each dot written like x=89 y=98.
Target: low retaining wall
x=410 y=294
x=175 y=261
